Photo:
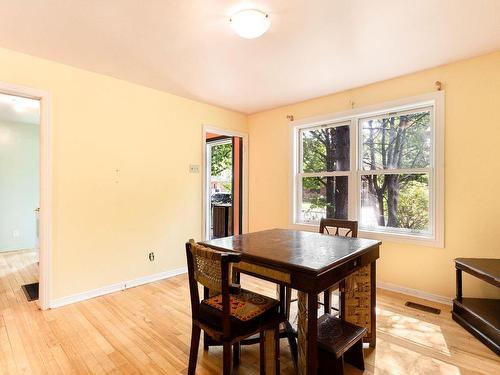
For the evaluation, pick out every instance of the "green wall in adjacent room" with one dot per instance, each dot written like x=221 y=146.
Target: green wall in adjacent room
x=19 y=185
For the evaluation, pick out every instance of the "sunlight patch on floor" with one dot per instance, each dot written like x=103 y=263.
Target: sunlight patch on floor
x=412 y=329
x=394 y=359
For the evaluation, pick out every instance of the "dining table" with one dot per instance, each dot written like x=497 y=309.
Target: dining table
x=312 y=263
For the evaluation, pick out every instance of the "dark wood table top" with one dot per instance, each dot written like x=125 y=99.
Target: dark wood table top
x=487 y=269
x=295 y=250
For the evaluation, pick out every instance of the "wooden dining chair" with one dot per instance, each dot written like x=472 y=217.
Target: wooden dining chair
x=336 y=227
x=230 y=314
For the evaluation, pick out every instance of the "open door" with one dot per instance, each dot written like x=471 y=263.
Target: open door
x=237 y=191
x=224 y=185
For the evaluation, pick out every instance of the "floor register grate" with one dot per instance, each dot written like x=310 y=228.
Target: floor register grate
x=425 y=308
x=31 y=291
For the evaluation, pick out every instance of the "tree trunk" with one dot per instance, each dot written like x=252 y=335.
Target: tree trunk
x=342 y=158
x=330 y=197
x=392 y=200
x=379 y=192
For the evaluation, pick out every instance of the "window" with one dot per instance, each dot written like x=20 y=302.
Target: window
x=324 y=171
x=380 y=166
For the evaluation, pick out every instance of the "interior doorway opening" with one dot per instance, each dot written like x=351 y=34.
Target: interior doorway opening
x=20 y=193
x=223 y=184
x=25 y=102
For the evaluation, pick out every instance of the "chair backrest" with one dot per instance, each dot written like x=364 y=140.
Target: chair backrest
x=212 y=269
x=349 y=227
x=207 y=266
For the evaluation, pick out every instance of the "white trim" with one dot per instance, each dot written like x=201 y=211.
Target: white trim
x=229 y=133
x=409 y=239
x=380 y=236
x=415 y=293
x=116 y=287
x=45 y=185
x=436 y=183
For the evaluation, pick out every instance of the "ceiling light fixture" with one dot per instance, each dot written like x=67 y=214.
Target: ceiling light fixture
x=250 y=23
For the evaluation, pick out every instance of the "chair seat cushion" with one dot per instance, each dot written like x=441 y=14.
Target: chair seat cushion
x=245 y=305
x=248 y=311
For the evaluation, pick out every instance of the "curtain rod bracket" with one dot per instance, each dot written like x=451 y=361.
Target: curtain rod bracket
x=290 y=117
x=438 y=85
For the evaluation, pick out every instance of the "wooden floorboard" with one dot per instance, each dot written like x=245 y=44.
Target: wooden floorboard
x=146 y=330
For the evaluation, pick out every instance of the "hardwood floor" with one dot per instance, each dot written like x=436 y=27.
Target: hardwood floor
x=146 y=330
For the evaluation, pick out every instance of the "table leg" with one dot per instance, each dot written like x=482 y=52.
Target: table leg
x=307 y=332
x=270 y=355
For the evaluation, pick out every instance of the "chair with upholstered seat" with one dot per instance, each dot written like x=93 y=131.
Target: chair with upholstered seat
x=230 y=314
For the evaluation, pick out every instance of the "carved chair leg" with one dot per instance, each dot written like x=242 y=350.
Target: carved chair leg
x=193 y=352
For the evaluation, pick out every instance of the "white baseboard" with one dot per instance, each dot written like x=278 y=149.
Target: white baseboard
x=415 y=293
x=115 y=287
x=178 y=271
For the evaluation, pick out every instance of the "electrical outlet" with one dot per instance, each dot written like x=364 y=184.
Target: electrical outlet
x=15 y=233
x=151 y=256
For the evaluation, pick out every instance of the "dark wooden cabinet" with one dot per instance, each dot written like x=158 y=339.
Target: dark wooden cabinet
x=479 y=316
x=222 y=221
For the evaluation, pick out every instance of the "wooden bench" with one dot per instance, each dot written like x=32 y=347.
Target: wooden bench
x=338 y=341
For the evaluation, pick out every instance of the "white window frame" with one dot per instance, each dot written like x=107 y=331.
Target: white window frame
x=436 y=100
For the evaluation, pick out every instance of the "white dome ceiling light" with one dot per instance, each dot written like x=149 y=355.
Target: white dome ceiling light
x=250 y=23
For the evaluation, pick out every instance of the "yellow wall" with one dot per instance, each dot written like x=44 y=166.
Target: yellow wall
x=472 y=199
x=102 y=231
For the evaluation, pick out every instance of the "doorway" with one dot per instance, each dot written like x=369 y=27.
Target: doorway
x=224 y=193
x=20 y=192
x=24 y=193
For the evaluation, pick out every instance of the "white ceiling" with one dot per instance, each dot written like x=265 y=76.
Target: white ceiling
x=18 y=109
x=313 y=48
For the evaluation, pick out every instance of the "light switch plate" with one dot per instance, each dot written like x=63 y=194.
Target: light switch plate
x=194 y=168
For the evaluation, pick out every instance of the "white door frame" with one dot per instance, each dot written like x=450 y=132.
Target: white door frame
x=45 y=185
x=205 y=202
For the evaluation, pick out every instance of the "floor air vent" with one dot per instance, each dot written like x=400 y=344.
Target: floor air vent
x=31 y=291
x=425 y=308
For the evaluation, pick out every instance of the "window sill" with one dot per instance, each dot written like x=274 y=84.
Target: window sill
x=384 y=237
